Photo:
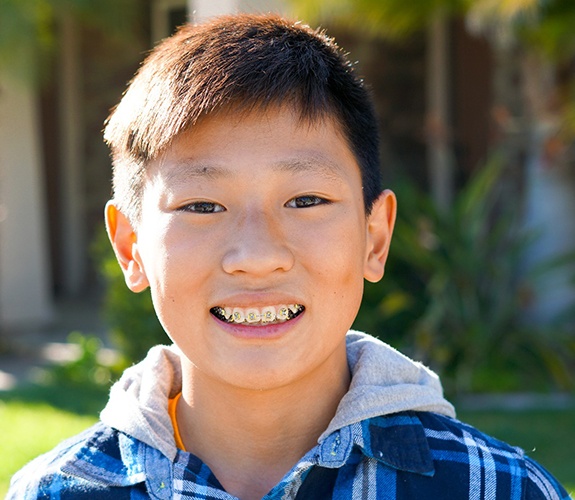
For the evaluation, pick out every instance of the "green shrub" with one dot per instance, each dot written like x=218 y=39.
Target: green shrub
x=455 y=291
x=85 y=370
x=134 y=327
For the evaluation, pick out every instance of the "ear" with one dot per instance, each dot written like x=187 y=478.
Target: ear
x=125 y=243
x=380 y=223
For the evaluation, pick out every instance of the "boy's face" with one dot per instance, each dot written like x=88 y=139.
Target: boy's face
x=262 y=216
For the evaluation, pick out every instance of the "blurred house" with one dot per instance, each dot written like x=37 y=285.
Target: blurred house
x=437 y=96
x=54 y=168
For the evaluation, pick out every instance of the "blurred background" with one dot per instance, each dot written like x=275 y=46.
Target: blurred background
x=477 y=110
x=477 y=118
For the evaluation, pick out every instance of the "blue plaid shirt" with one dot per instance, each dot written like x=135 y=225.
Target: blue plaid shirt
x=409 y=455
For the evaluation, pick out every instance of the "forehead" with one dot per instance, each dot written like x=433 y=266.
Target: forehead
x=220 y=145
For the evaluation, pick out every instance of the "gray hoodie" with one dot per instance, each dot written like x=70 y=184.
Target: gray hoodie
x=384 y=381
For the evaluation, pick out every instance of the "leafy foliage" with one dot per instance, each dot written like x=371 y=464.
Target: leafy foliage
x=455 y=292
x=546 y=24
x=389 y=18
x=25 y=36
x=552 y=31
x=28 y=29
x=397 y=18
x=87 y=369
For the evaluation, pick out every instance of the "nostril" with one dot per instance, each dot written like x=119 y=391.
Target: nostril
x=258 y=257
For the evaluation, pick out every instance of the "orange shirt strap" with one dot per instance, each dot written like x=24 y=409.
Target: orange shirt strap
x=172 y=405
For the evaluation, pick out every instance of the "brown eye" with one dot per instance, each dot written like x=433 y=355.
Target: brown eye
x=306 y=201
x=203 y=207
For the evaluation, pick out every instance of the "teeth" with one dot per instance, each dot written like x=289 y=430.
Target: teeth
x=268 y=314
x=294 y=308
x=282 y=313
x=252 y=315
x=238 y=316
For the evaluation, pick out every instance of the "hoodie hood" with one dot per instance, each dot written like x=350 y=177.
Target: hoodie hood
x=138 y=403
x=384 y=381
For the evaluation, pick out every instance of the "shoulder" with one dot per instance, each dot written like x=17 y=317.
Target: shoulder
x=84 y=466
x=459 y=448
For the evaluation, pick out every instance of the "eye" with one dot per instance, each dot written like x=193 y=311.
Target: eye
x=203 y=207
x=306 y=201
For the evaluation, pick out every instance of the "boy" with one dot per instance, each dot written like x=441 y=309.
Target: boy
x=247 y=197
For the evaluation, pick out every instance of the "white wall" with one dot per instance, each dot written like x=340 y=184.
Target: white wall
x=549 y=209
x=203 y=9
x=24 y=273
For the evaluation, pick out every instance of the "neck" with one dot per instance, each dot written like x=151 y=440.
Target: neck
x=251 y=438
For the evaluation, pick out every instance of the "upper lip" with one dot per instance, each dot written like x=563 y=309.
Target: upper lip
x=258 y=300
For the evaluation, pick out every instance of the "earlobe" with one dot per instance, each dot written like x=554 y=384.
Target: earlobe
x=125 y=244
x=380 y=225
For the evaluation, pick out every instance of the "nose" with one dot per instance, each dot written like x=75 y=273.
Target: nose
x=258 y=246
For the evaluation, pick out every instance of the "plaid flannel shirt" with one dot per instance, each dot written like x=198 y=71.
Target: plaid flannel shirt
x=409 y=455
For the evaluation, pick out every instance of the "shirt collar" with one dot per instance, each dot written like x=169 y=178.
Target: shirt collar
x=397 y=440
x=111 y=458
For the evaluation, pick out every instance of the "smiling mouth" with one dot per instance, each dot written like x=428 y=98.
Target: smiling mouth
x=254 y=316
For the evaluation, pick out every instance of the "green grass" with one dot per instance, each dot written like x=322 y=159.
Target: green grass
x=547 y=436
x=34 y=419
x=30 y=429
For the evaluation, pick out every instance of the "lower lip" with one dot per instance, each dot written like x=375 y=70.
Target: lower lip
x=260 y=332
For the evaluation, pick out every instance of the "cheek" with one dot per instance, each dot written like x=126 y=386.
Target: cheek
x=336 y=250
x=336 y=262
x=176 y=265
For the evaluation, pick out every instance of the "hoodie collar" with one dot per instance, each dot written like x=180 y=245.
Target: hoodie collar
x=138 y=403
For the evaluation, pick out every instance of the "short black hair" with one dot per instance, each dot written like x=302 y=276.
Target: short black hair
x=240 y=62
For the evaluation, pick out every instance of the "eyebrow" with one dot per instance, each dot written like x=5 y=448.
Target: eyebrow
x=189 y=169
x=319 y=164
